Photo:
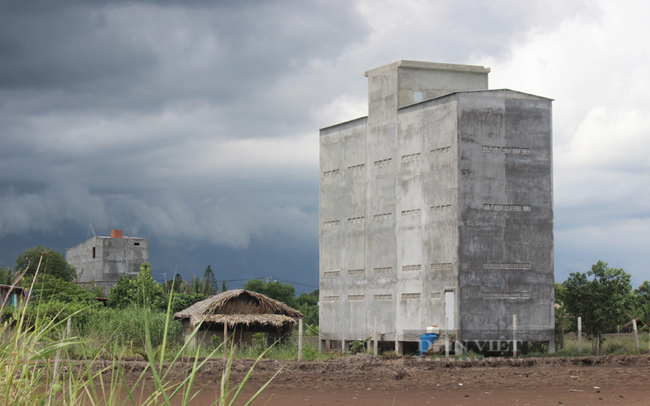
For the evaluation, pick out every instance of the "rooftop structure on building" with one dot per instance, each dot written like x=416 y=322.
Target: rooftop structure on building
x=437 y=209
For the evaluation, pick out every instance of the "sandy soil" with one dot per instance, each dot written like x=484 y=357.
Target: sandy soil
x=367 y=380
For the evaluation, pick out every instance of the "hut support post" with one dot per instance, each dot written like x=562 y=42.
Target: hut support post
x=636 y=334
x=299 y=339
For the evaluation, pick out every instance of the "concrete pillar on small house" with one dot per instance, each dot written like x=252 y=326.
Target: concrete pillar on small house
x=551 y=347
x=399 y=347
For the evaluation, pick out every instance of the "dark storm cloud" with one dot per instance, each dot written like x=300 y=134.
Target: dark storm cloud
x=134 y=53
x=105 y=103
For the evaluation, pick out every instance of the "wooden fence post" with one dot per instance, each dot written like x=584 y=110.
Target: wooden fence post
x=636 y=334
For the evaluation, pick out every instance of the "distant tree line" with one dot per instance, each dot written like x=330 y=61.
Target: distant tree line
x=55 y=288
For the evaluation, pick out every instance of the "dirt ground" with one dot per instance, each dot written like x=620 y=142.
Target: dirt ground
x=367 y=380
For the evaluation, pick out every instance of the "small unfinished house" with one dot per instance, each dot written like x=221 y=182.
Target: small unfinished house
x=437 y=209
x=243 y=313
x=103 y=260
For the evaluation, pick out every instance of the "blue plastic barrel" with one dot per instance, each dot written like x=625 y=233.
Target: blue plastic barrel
x=426 y=341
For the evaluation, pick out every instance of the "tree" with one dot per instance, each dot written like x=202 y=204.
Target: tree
x=6 y=276
x=142 y=291
x=224 y=287
x=178 y=283
x=307 y=304
x=50 y=288
x=282 y=292
x=53 y=263
x=310 y=299
x=602 y=301
x=182 y=301
x=560 y=293
x=642 y=293
x=196 y=286
x=210 y=286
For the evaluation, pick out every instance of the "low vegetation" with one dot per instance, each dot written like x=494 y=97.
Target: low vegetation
x=38 y=367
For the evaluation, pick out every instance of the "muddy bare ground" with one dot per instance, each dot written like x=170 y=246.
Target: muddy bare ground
x=367 y=380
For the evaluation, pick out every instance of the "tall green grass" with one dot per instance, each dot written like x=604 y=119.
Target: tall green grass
x=123 y=331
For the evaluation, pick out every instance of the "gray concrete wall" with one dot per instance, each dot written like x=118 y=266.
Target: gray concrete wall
x=506 y=216
x=381 y=161
x=427 y=239
x=342 y=226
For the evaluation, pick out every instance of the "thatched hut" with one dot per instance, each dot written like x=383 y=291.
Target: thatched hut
x=243 y=313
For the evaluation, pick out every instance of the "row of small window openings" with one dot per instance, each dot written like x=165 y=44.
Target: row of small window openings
x=442 y=150
x=386 y=161
x=383 y=162
x=506 y=265
x=445 y=266
x=444 y=207
x=388 y=216
x=408 y=268
x=506 y=295
x=506 y=207
x=131 y=261
x=332 y=172
x=410 y=157
x=506 y=150
x=434 y=295
x=435 y=151
x=385 y=296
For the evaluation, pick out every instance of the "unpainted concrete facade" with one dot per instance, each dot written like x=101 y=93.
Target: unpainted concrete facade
x=437 y=207
x=103 y=260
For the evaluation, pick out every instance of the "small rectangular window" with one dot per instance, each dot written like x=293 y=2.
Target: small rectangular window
x=137 y=244
x=93 y=252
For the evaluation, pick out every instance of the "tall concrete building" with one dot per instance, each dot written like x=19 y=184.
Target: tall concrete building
x=437 y=207
x=103 y=260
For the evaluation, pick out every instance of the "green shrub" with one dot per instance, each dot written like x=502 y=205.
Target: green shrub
x=357 y=347
x=389 y=354
x=41 y=313
x=182 y=301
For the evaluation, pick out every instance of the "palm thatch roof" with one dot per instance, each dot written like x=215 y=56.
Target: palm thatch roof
x=240 y=306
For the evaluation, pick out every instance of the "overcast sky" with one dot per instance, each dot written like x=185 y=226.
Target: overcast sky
x=195 y=123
